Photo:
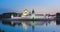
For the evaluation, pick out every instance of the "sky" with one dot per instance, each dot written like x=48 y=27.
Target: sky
x=40 y=6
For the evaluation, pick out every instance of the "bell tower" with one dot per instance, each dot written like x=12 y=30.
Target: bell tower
x=33 y=14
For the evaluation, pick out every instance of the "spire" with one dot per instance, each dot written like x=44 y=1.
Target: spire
x=33 y=11
x=33 y=14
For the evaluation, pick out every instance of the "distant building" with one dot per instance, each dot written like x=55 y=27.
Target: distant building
x=0 y=16
x=58 y=18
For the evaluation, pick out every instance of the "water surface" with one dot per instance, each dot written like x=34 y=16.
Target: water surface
x=38 y=27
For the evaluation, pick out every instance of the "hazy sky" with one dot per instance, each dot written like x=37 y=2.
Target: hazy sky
x=40 y=6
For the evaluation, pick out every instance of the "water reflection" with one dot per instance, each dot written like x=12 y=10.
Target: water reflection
x=29 y=23
x=29 y=26
x=25 y=24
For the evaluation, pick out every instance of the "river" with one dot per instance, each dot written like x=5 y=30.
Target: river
x=37 y=27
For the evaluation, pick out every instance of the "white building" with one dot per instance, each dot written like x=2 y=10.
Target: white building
x=26 y=14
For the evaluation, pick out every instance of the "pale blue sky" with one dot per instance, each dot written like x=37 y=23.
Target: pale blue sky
x=20 y=5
